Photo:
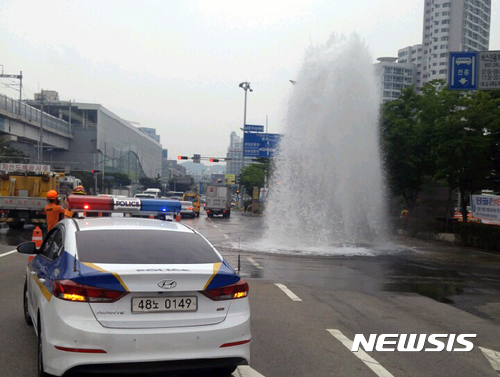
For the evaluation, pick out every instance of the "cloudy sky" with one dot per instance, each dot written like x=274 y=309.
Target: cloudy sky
x=176 y=65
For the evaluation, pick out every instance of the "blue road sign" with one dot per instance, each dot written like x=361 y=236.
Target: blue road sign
x=253 y=128
x=463 y=71
x=260 y=144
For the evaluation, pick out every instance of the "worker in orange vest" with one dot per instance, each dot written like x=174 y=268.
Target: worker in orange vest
x=53 y=210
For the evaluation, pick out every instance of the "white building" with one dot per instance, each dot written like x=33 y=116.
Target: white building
x=452 y=25
x=413 y=54
x=234 y=154
x=394 y=77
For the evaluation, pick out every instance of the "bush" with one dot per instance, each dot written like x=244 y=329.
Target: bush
x=482 y=236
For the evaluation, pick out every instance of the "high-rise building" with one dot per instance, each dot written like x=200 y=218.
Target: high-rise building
x=394 y=76
x=413 y=55
x=452 y=25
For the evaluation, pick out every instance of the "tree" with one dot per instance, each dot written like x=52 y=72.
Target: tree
x=404 y=145
x=151 y=183
x=8 y=154
x=443 y=135
x=254 y=175
x=466 y=143
x=119 y=180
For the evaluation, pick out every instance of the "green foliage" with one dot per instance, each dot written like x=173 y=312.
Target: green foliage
x=441 y=135
x=8 y=154
x=119 y=180
x=254 y=175
x=151 y=183
x=482 y=236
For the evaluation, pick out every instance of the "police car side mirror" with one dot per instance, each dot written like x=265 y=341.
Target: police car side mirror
x=27 y=248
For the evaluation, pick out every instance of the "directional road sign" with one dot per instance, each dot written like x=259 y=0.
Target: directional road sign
x=463 y=71
x=260 y=144
x=489 y=70
x=253 y=128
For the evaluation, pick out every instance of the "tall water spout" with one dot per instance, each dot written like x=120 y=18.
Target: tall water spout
x=327 y=187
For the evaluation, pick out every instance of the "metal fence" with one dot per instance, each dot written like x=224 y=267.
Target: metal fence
x=31 y=114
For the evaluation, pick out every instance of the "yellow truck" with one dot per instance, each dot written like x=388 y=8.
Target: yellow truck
x=195 y=199
x=23 y=190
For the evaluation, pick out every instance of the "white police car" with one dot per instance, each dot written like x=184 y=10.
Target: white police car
x=129 y=294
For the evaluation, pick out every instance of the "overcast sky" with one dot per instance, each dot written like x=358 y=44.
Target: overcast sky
x=176 y=65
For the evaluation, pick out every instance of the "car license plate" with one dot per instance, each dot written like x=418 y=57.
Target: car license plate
x=164 y=304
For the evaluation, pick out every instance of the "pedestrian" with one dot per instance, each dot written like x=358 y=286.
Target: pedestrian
x=53 y=210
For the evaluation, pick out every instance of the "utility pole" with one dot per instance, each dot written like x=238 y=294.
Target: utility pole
x=246 y=87
x=40 y=141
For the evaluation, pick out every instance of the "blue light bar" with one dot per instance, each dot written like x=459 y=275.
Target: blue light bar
x=160 y=206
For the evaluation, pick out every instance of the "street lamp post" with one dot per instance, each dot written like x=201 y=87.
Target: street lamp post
x=246 y=87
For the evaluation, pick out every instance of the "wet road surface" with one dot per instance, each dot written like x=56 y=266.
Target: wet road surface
x=300 y=305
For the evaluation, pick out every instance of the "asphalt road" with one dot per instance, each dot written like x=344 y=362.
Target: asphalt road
x=305 y=309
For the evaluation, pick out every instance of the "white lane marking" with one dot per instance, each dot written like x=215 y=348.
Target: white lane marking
x=493 y=357
x=225 y=235
x=370 y=362
x=288 y=292
x=246 y=371
x=8 y=253
x=255 y=263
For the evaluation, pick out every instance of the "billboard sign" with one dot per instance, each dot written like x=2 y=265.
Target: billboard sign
x=486 y=207
x=489 y=70
x=229 y=179
x=463 y=71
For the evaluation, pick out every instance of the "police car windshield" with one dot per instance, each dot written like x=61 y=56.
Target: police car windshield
x=143 y=247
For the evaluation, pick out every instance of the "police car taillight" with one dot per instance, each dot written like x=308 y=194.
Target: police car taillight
x=71 y=291
x=229 y=292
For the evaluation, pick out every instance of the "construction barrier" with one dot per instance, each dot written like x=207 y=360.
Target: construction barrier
x=37 y=237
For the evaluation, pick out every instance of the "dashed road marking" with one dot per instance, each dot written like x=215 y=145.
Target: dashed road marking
x=288 y=292
x=8 y=253
x=225 y=235
x=493 y=357
x=255 y=263
x=246 y=371
x=370 y=362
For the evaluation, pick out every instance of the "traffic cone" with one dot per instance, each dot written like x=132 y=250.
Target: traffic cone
x=178 y=218
x=151 y=216
x=37 y=237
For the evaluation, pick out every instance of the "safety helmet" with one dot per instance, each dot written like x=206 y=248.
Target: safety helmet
x=79 y=190
x=52 y=194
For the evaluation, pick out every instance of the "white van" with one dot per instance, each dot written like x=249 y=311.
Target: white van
x=153 y=191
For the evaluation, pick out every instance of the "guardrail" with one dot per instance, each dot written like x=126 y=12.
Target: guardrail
x=31 y=114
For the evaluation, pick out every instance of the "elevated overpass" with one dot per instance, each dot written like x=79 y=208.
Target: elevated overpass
x=22 y=123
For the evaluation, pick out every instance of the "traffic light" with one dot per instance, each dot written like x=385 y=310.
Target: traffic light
x=237 y=191
x=95 y=171
x=214 y=160
x=182 y=157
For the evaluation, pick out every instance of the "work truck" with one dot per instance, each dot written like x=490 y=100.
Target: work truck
x=23 y=190
x=218 y=200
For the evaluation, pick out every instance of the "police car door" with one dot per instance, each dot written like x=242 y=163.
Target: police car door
x=42 y=272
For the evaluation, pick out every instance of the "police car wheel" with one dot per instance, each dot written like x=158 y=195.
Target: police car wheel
x=41 y=372
x=27 y=316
